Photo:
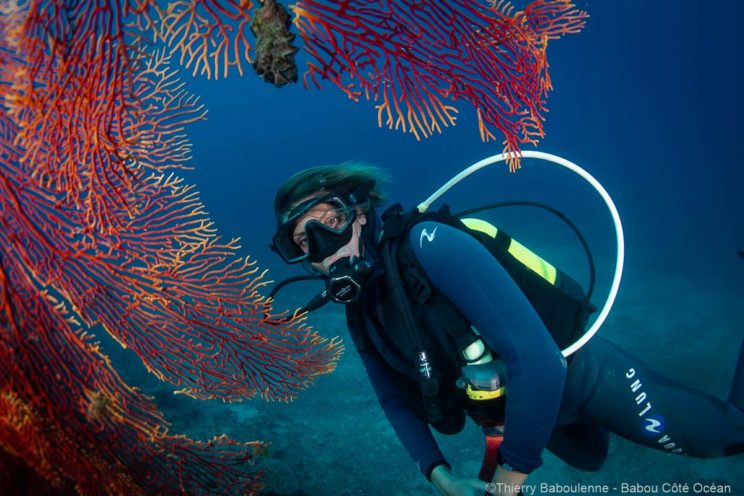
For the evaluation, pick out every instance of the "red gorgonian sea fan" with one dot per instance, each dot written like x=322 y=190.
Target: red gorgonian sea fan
x=416 y=57
x=94 y=229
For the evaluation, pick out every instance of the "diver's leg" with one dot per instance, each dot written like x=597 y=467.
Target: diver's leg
x=609 y=387
x=583 y=446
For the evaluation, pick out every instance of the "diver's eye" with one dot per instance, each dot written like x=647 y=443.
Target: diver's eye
x=335 y=219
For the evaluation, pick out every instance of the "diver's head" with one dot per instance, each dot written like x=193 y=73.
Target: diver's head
x=321 y=212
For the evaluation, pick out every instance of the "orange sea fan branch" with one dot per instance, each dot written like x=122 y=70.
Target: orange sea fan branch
x=93 y=230
x=410 y=55
x=134 y=233
x=65 y=412
x=211 y=36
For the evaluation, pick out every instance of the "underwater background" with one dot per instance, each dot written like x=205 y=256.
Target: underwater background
x=647 y=98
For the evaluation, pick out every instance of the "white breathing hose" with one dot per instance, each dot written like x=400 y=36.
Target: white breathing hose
x=602 y=192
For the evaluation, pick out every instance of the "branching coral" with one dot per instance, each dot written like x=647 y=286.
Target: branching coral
x=417 y=58
x=94 y=229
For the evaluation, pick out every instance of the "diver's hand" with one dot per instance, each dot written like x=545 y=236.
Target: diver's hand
x=451 y=485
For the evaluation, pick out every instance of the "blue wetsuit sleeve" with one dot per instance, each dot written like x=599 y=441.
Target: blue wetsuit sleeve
x=473 y=280
x=413 y=433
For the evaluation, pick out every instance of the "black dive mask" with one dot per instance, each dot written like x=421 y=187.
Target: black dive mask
x=329 y=228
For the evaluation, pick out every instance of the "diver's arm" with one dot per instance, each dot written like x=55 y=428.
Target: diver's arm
x=413 y=433
x=451 y=485
x=469 y=276
x=507 y=483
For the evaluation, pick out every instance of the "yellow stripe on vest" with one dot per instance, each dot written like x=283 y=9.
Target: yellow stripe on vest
x=516 y=249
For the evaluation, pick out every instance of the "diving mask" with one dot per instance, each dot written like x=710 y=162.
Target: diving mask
x=328 y=229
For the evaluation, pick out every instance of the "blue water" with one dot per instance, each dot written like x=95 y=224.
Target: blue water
x=647 y=98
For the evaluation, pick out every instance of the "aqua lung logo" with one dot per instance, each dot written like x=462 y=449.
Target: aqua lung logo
x=429 y=237
x=345 y=290
x=652 y=425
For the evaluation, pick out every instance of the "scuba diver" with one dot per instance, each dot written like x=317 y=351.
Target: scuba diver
x=450 y=323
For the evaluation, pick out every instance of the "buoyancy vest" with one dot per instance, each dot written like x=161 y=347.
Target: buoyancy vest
x=443 y=331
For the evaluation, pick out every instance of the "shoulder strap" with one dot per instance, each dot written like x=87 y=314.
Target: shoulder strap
x=414 y=277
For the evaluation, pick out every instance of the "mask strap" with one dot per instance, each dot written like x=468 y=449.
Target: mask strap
x=360 y=194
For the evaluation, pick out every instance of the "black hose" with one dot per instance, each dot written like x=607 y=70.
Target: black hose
x=318 y=300
x=395 y=285
x=290 y=280
x=428 y=385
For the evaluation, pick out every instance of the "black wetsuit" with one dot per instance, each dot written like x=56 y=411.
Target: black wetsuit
x=568 y=409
